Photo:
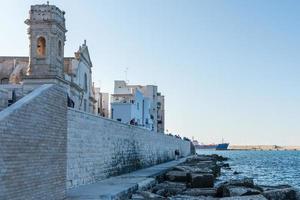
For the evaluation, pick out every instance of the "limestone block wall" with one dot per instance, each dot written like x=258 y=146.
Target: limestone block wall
x=33 y=141
x=100 y=147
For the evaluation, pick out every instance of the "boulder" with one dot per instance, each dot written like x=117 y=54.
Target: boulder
x=148 y=195
x=186 y=197
x=281 y=194
x=193 y=169
x=200 y=192
x=219 y=158
x=137 y=197
x=226 y=165
x=199 y=158
x=236 y=172
x=177 y=176
x=169 y=188
x=238 y=187
x=202 y=180
x=268 y=187
x=251 y=197
x=230 y=191
x=297 y=194
x=245 y=182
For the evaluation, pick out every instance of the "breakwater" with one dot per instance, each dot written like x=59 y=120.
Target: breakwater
x=264 y=147
x=198 y=178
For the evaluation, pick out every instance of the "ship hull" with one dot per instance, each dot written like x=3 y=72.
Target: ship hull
x=222 y=146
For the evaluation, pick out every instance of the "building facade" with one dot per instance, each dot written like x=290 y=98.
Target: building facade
x=160 y=113
x=102 y=103
x=132 y=96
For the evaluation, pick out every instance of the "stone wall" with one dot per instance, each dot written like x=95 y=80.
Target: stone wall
x=33 y=141
x=99 y=148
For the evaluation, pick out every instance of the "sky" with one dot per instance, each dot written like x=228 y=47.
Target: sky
x=228 y=69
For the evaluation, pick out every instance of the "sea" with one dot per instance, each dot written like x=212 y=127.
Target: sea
x=265 y=167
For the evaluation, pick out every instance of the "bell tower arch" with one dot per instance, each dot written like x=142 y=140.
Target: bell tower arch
x=46 y=42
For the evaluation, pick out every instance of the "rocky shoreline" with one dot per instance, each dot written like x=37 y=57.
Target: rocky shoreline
x=197 y=178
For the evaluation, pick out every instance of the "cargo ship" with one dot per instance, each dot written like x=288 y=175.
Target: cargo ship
x=221 y=146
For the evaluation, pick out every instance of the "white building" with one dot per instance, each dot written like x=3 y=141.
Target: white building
x=132 y=96
x=160 y=113
x=102 y=105
x=130 y=106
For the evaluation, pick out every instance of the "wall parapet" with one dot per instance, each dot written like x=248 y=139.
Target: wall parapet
x=108 y=119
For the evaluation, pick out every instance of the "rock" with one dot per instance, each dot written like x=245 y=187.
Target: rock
x=162 y=192
x=297 y=194
x=200 y=192
x=186 y=197
x=238 y=187
x=199 y=158
x=219 y=158
x=202 y=180
x=177 y=176
x=251 y=197
x=226 y=165
x=193 y=169
x=267 y=187
x=281 y=194
x=236 y=173
x=245 y=182
x=146 y=184
x=137 y=197
x=231 y=191
x=181 y=168
x=149 y=195
x=216 y=170
x=169 y=188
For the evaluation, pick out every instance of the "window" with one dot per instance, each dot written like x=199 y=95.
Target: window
x=4 y=81
x=85 y=82
x=59 y=48
x=41 y=47
x=138 y=106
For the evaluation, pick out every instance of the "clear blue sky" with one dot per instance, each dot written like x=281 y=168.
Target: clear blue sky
x=227 y=68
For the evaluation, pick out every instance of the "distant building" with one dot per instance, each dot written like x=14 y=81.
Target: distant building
x=160 y=113
x=102 y=103
x=139 y=104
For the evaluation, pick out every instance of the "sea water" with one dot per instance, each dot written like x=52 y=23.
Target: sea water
x=265 y=167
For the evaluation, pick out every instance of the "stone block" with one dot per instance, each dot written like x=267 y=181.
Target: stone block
x=202 y=180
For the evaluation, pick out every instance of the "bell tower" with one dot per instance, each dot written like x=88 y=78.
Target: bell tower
x=46 y=43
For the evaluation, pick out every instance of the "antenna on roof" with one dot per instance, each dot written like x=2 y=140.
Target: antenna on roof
x=126 y=72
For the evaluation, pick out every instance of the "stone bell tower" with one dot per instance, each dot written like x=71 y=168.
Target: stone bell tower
x=46 y=49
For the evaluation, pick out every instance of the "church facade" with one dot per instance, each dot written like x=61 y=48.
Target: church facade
x=46 y=62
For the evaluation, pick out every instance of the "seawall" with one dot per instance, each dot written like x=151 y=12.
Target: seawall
x=99 y=148
x=46 y=147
